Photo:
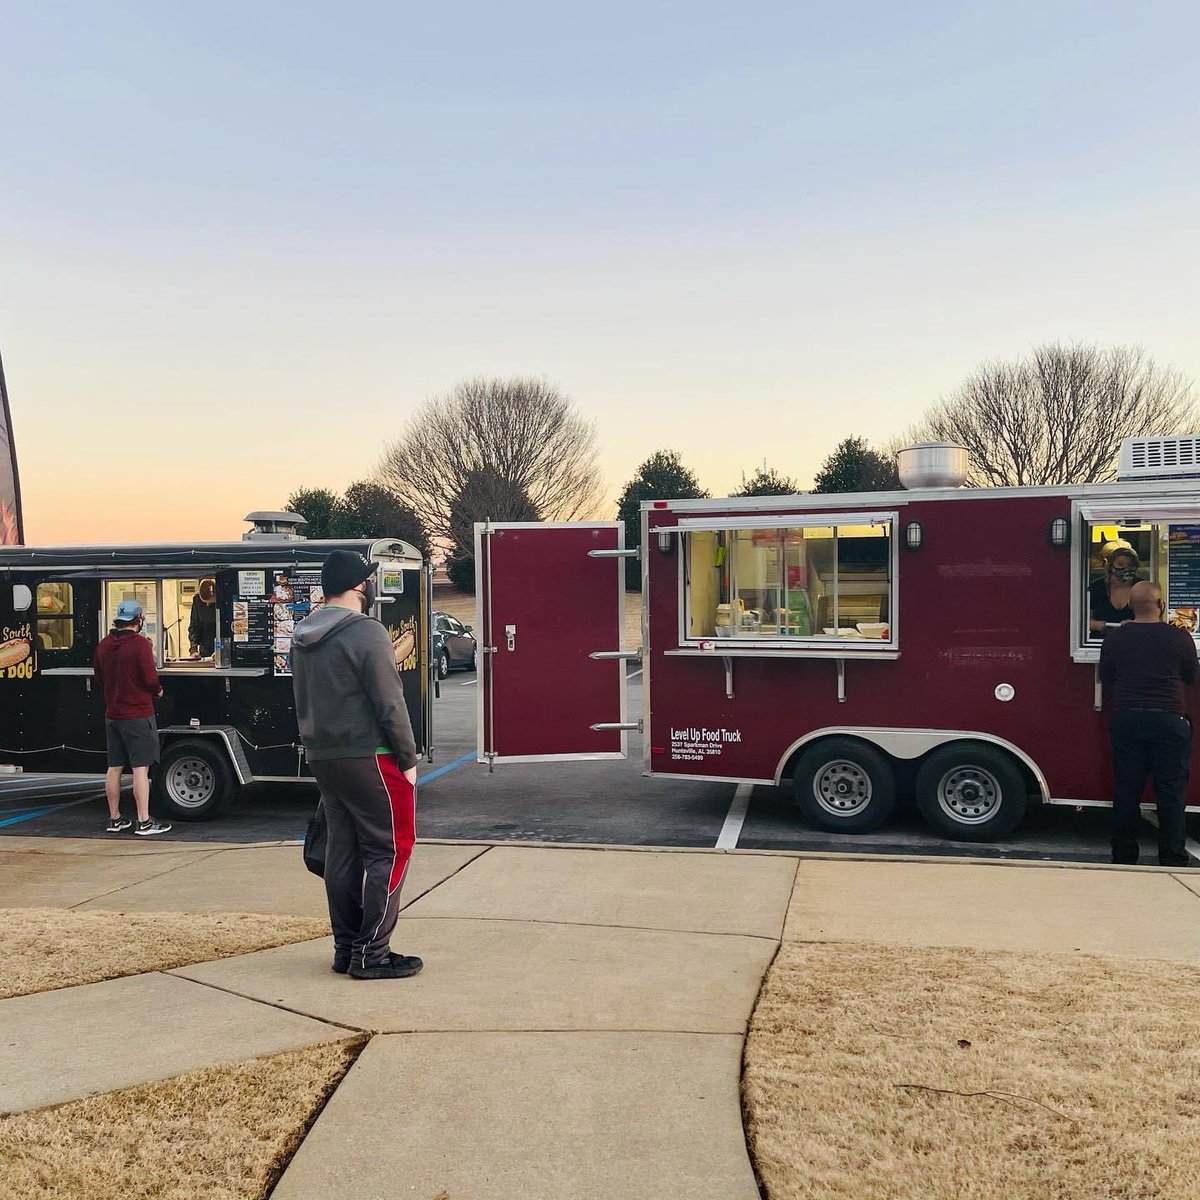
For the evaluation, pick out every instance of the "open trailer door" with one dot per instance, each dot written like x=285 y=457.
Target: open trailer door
x=551 y=612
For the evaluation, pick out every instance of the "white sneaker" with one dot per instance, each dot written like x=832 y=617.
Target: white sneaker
x=151 y=827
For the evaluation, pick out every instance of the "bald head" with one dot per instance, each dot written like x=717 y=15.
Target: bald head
x=1146 y=601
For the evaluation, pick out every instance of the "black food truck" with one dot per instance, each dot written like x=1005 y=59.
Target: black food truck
x=220 y=617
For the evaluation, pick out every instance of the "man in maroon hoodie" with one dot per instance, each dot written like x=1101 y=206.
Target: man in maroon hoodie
x=126 y=672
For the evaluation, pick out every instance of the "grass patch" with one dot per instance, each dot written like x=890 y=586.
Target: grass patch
x=218 y=1134
x=1083 y=1074
x=44 y=948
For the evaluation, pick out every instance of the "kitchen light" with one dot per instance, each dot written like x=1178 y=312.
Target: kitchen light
x=664 y=543
x=1059 y=531
x=913 y=533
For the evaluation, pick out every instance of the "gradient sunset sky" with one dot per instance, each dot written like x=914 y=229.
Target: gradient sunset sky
x=239 y=243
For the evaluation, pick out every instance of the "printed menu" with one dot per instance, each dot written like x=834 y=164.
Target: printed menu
x=294 y=596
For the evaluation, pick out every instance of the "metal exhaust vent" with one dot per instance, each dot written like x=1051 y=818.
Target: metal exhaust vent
x=1160 y=457
x=274 y=527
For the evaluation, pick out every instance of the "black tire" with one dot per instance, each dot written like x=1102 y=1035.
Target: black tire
x=443 y=664
x=473 y=665
x=193 y=781
x=845 y=786
x=972 y=792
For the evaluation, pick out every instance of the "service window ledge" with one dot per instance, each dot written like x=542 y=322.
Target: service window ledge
x=835 y=652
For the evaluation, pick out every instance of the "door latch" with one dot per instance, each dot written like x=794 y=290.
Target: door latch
x=510 y=632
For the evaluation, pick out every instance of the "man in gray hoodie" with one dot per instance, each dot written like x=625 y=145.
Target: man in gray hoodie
x=359 y=742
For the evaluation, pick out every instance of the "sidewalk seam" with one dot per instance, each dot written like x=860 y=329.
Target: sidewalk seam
x=175 y=972
x=433 y=888
x=126 y=886
x=761 y=937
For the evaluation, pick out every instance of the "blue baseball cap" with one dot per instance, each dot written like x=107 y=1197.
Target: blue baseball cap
x=128 y=610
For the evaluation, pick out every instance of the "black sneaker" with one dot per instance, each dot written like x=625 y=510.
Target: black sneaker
x=341 y=963
x=151 y=828
x=118 y=825
x=398 y=966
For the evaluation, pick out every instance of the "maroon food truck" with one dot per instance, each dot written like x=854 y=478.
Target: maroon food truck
x=935 y=643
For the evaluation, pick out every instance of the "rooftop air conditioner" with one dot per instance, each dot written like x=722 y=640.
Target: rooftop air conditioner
x=1160 y=457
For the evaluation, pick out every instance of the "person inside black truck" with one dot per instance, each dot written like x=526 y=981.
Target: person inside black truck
x=202 y=628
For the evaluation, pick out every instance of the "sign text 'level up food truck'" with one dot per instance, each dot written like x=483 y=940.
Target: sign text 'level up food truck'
x=938 y=643
x=227 y=717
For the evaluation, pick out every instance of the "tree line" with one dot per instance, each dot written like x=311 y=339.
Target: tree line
x=518 y=450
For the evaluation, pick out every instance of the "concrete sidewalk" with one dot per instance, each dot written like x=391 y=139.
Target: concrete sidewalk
x=578 y=1029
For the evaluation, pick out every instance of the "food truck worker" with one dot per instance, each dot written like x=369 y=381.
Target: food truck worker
x=1108 y=597
x=357 y=737
x=202 y=628
x=125 y=671
x=1149 y=662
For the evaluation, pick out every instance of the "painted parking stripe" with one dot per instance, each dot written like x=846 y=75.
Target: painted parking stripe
x=34 y=813
x=736 y=817
x=450 y=766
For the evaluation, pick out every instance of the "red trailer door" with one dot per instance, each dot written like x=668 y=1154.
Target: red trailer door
x=551 y=597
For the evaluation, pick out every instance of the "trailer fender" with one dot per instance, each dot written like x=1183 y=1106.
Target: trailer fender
x=225 y=734
x=913 y=743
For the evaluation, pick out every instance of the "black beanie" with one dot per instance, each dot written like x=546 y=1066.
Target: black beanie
x=343 y=570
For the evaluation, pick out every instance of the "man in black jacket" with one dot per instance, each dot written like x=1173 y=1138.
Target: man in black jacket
x=1149 y=663
x=359 y=742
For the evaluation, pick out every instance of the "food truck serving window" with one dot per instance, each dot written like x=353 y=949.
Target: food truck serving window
x=794 y=585
x=55 y=616
x=1120 y=551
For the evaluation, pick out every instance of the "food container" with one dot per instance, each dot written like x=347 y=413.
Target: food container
x=873 y=629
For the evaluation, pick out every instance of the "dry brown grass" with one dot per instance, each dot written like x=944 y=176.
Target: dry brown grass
x=215 y=1134
x=1111 y=1045
x=90 y=946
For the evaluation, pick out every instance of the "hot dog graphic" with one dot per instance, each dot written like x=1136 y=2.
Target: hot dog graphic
x=14 y=651
x=403 y=646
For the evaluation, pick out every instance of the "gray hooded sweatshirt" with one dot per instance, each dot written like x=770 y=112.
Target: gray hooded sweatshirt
x=349 y=699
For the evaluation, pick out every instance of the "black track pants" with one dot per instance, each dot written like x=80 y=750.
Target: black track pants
x=371 y=812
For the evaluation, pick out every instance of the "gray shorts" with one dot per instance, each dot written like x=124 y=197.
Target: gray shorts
x=132 y=743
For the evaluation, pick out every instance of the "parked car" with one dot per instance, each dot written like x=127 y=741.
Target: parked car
x=453 y=644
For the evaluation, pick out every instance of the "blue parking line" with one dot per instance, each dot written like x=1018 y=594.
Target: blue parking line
x=33 y=813
x=450 y=766
x=37 y=812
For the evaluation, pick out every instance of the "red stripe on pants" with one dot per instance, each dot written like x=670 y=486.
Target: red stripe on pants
x=402 y=797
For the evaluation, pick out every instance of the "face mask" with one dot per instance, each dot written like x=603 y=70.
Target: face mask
x=1125 y=574
x=368 y=594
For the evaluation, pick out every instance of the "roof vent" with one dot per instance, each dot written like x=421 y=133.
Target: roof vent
x=1160 y=457
x=274 y=527
x=933 y=465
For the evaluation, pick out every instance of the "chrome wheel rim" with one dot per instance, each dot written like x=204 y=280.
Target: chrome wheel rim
x=969 y=795
x=191 y=783
x=842 y=788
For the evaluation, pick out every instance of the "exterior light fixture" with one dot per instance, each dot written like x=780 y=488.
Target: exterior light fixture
x=664 y=543
x=913 y=534
x=1059 y=531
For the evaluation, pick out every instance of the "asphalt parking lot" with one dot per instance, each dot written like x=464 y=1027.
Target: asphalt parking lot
x=603 y=802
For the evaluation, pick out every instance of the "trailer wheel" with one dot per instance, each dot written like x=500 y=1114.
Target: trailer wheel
x=971 y=793
x=845 y=786
x=193 y=781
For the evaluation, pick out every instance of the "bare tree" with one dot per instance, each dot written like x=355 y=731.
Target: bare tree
x=523 y=432
x=1059 y=415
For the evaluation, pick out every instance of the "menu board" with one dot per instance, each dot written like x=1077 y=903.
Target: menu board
x=294 y=595
x=1183 y=575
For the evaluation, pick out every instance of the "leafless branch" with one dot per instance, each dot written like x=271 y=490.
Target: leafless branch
x=1006 y=1097
x=1059 y=415
x=521 y=432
